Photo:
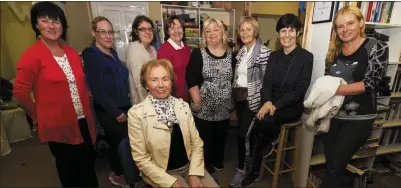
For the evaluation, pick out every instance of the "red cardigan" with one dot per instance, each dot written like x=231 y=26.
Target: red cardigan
x=179 y=59
x=37 y=70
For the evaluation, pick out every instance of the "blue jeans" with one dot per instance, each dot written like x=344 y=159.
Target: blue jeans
x=130 y=170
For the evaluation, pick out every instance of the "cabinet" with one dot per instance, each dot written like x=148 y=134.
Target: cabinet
x=193 y=21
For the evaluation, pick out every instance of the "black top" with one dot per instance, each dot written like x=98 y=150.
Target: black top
x=178 y=155
x=287 y=78
x=367 y=64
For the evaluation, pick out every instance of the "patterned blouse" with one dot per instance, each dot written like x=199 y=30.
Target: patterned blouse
x=214 y=77
x=65 y=66
x=368 y=65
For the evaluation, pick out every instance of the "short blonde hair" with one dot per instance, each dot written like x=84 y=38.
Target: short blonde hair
x=220 y=24
x=250 y=20
x=147 y=67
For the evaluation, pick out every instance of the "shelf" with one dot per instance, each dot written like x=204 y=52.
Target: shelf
x=394 y=62
x=381 y=150
x=191 y=7
x=392 y=123
x=392 y=148
x=382 y=25
x=396 y=94
x=393 y=95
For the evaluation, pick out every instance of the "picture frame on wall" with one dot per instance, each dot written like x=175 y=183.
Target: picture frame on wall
x=323 y=12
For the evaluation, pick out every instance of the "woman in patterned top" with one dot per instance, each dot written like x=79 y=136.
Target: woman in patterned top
x=361 y=62
x=209 y=75
x=248 y=80
x=53 y=71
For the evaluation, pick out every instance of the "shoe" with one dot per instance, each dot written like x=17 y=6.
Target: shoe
x=218 y=167
x=211 y=170
x=117 y=180
x=249 y=180
x=237 y=178
x=269 y=149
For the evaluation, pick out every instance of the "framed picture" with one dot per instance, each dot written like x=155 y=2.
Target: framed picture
x=323 y=12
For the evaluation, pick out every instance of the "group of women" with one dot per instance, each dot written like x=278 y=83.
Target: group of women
x=174 y=104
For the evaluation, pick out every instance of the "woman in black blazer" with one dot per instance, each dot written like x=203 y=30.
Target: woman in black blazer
x=285 y=83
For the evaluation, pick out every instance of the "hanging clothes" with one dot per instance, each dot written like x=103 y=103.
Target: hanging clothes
x=157 y=42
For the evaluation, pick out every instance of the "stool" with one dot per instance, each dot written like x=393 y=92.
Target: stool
x=280 y=153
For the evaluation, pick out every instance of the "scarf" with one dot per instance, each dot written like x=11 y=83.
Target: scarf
x=165 y=111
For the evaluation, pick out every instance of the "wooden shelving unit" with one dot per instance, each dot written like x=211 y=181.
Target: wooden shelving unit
x=227 y=17
x=366 y=156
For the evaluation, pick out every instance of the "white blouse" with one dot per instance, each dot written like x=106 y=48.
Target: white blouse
x=242 y=80
x=65 y=66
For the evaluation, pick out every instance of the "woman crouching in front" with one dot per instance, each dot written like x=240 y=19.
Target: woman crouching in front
x=165 y=142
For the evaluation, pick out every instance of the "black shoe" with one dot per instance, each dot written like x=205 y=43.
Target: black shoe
x=211 y=170
x=249 y=180
x=218 y=167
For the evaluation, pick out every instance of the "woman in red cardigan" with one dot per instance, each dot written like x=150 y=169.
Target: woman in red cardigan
x=178 y=53
x=53 y=71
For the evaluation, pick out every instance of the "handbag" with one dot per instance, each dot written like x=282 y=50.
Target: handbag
x=240 y=94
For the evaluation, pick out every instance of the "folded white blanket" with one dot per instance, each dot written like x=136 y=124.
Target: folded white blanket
x=323 y=102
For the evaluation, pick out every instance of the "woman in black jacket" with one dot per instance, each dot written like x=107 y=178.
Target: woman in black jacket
x=286 y=81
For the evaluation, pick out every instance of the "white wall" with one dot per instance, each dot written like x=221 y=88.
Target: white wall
x=319 y=38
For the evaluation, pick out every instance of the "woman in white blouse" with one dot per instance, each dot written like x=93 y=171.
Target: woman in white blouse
x=139 y=52
x=248 y=79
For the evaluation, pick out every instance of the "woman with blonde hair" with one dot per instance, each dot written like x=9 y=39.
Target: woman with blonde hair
x=165 y=143
x=209 y=75
x=361 y=62
x=248 y=80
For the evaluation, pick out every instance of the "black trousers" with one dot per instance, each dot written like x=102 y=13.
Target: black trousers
x=342 y=141
x=245 y=117
x=267 y=130
x=114 y=132
x=214 y=136
x=76 y=163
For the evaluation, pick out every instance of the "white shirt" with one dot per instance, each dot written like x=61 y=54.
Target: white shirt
x=65 y=66
x=242 y=80
x=175 y=46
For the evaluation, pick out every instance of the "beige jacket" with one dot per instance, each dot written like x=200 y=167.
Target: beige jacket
x=136 y=57
x=150 y=142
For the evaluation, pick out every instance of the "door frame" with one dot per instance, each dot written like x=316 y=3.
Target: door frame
x=94 y=11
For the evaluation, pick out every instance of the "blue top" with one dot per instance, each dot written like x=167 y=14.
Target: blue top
x=108 y=80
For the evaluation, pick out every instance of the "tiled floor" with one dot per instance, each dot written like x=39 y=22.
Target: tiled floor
x=30 y=164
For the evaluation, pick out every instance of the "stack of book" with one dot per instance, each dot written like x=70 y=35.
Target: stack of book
x=376 y=11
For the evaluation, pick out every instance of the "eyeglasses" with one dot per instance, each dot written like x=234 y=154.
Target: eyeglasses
x=103 y=32
x=143 y=29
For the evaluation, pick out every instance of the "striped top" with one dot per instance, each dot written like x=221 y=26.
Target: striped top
x=256 y=70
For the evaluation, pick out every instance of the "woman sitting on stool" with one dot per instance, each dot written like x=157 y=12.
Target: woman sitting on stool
x=286 y=81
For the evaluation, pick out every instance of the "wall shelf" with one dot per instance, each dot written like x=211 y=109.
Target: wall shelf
x=319 y=159
x=382 y=25
x=392 y=123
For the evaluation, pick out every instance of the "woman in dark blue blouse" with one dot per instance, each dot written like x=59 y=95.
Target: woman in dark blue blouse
x=108 y=82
